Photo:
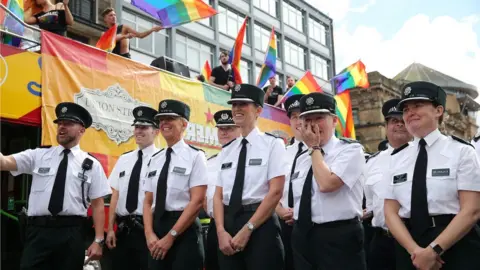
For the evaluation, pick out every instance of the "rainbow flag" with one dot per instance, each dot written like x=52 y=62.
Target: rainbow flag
x=236 y=53
x=306 y=85
x=175 y=12
x=269 y=66
x=345 y=127
x=10 y=24
x=351 y=77
x=206 y=71
x=108 y=40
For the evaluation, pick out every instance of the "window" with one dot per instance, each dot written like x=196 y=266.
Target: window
x=207 y=21
x=268 y=6
x=262 y=38
x=317 y=31
x=229 y=23
x=245 y=67
x=294 y=54
x=278 y=76
x=356 y=118
x=155 y=43
x=319 y=66
x=293 y=16
x=197 y=52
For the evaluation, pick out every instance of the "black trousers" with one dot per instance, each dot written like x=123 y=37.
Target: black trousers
x=56 y=248
x=185 y=253
x=211 y=251
x=381 y=253
x=263 y=251
x=465 y=254
x=334 y=245
x=131 y=251
x=287 y=243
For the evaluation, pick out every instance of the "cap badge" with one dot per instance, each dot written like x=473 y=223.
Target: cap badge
x=309 y=101
x=163 y=105
x=64 y=110
x=237 y=87
x=224 y=116
x=294 y=104
x=407 y=91
x=139 y=113
x=393 y=109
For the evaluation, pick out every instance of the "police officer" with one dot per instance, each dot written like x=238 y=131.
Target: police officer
x=328 y=191
x=62 y=178
x=130 y=248
x=433 y=196
x=381 y=252
x=175 y=185
x=250 y=185
x=226 y=132
x=285 y=208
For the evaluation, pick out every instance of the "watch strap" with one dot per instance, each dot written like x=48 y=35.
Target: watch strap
x=437 y=248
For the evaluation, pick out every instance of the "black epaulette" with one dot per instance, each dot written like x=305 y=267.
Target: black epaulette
x=158 y=152
x=195 y=148
x=475 y=139
x=372 y=156
x=458 y=139
x=93 y=156
x=399 y=149
x=227 y=144
x=212 y=156
x=291 y=141
x=45 y=146
x=348 y=140
x=275 y=136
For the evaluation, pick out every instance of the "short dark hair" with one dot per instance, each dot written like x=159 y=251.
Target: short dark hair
x=224 y=52
x=107 y=11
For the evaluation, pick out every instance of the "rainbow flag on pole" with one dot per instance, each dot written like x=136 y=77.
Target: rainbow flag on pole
x=175 y=12
x=306 y=85
x=206 y=71
x=345 y=127
x=236 y=53
x=9 y=23
x=351 y=77
x=269 y=66
x=108 y=40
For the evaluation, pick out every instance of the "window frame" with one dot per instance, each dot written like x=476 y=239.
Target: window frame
x=226 y=11
x=188 y=45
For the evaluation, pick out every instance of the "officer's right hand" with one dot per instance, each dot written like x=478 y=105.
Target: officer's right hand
x=151 y=241
x=224 y=243
x=111 y=240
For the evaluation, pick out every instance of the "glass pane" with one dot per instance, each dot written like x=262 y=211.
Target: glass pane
x=193 y=59
x=180 y=51
x=146 y=42
x=160 y=44
x=232 y=27
x=222 y=20
x=144 y=23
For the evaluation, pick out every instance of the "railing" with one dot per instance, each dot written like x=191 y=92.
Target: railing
x=35 y=30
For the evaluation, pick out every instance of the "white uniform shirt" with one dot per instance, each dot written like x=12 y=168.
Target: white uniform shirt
x=212 y=167
x=347 y=161
x=452 y=166
x=375 y=185
x=291 y=152
x=265 y=161
x=120 y=178
x=476 y=144
x=187 y=169
x=42 y=164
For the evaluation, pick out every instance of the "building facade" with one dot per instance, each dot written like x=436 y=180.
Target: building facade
x=460 y=112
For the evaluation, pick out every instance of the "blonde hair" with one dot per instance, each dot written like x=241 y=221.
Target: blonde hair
x=33 y=6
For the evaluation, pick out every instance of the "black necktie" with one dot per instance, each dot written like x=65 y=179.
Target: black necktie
x=133 y=184
x=236 y=197
x=162 y=187
x=290 y=192
x=305 y=209
x=419 y=219
x=55 y=205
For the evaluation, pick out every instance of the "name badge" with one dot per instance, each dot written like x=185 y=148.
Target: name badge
x=397 y=179
x=255 y=161
x=295 y=175
x=152 y=174
x=226 y=166
x=179 y=170
x=441 y=172
x=82 y=176
x=122 y=174
x=43 y=170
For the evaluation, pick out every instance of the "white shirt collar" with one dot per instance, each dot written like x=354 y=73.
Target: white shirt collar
x=74 y=150
x=149 y=150
x=330 y=144
x=430 y=139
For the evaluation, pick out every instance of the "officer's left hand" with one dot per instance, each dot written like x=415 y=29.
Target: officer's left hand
x=239 y=242
x=426 y=258
x=94 y=252
x=161 y=247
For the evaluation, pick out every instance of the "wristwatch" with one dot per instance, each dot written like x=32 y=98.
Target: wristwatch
x=313 y=148
x=173 y=233
x=100 y=241
x=250 y=226
x=437 y=248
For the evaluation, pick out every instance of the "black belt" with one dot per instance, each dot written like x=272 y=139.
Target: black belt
x=130 y=218
x=56 y=221
x=245 y=208
x=337 y=223
x=383 y=232
x=439 y=220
